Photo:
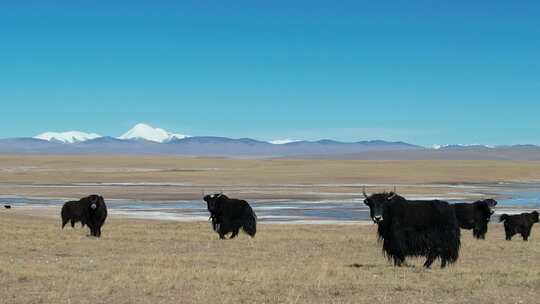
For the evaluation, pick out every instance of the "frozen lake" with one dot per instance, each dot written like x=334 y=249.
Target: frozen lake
x=512 y=198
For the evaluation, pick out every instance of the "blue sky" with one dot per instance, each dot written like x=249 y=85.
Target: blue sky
x=424 y=72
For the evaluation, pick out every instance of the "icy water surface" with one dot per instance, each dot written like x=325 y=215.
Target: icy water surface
x=512 y=198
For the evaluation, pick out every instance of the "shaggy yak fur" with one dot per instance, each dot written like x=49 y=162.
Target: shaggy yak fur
x=415 y=228
x=519 y=223
x=90 y=211
x=475 y=216
x=229 y=215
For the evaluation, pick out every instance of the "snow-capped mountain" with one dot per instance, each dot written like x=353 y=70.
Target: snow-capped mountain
x=155 y=141
x=460 y=146
x=146 y=132
x=67 y=137
x=283 y=141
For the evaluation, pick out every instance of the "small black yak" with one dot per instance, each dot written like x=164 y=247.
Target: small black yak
x=90 y=210
x=415 y=228
x=7 y=206
x=475 y=216
x=519 y=223
x=229 y=215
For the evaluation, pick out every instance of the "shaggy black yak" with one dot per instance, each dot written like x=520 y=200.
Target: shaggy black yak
x=415 y=228
x=90 y=211
x=475 y=216
x=519 y=223
x=229 y=215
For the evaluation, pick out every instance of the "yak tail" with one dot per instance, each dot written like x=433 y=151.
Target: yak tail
x=503 y=218
x=250 y=223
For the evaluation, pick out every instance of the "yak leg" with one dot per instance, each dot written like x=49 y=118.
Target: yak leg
x=509 y=233
x=64 y=222
x=92 y=230
x=478 y=233
x=443 y=263
x=224 y=228
x=220 y=232
x=430 y=259
x=399 y=260
x=525 y=233
x=72 y=223
x=235 y=233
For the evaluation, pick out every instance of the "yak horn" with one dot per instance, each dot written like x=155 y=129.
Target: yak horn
x=391 y=196
x=364 y=191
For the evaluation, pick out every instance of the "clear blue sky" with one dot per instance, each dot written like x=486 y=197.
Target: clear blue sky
x=424 y=72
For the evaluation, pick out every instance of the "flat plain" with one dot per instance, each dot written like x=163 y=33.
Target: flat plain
x=141 y=261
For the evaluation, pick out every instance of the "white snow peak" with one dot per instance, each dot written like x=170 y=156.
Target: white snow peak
x=146 y=132
x=67 y=137
x=283 y=141
x=439 y=147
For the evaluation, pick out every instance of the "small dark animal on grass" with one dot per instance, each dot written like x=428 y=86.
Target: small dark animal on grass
x=228 y=215
x=90 y=210
x=475 y=216
x=519 y=223
x=415 y=228
x=7 y=206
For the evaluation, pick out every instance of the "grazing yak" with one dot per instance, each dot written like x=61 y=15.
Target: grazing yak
x=229 y=215
x=415 y=228
x=90 y=210
x=475 y=216
x=519 y=223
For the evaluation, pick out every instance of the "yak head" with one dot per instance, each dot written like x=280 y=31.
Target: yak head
x=377 y=204
x=490 y=204
x=214 y=202
x=486 y=208
x=94 y=201
x=535 y=216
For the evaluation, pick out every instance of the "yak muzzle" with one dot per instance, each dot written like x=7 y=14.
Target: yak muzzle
x=377 y=219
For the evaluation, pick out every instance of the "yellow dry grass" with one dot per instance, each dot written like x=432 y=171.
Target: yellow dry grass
x=169 y=262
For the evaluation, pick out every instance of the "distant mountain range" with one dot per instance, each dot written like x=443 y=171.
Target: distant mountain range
x=143 y=139
x=138 y=132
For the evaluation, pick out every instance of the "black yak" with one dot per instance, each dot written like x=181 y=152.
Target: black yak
x=7 y=206
x=519 y=223
x=415 y=228
x=90 y=210
x=229 y=215
x=475 y=216
x=72 y=212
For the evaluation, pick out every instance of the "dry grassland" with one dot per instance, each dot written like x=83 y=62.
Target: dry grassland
x=169 y=262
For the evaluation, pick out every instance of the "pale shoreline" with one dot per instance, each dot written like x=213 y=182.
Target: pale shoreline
x=51 y=211
x=175 y=178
